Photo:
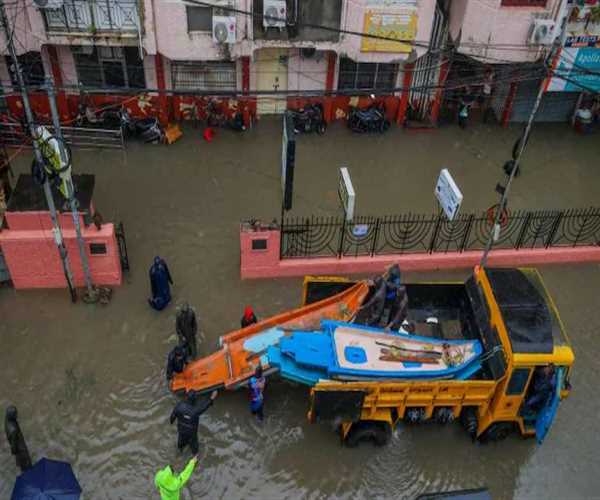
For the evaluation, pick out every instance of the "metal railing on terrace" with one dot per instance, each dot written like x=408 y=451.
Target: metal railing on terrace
x=92 y=16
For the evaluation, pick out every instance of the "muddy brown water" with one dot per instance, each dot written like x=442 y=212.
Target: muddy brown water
x=89 y=381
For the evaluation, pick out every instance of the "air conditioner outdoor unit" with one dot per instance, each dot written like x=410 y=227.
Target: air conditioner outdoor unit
x=274 y=13
x=48 y=4
x=542 y=32
x=223 y=29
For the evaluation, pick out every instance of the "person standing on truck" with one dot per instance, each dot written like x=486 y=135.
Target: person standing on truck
x=170 y=485
x=376 y=303
x=187 y=413
x=187 y=328
x=249 y=318
x=257 y=387
x=399 y=310
x=542 y=387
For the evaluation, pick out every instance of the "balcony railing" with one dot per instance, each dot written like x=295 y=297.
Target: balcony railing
x=83 y=16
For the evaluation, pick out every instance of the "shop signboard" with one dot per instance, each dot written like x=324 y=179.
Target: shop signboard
x=578 y=67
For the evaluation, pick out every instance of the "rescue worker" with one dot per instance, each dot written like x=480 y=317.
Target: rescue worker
x=257 y=387
x=248 y=318
x=376 y=303
x=543 y=386
x=16 y=440
x=170 y=485
x=160 y=281
x=187 y=413
x=399 y=309
x=187 y=328
x=176 y=361
x=392 y=282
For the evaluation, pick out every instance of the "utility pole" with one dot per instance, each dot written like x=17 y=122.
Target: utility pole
x=521 y=147
x=38 y=157
x=91 y=294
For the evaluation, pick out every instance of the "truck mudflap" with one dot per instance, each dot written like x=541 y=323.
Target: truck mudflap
x=548 y=412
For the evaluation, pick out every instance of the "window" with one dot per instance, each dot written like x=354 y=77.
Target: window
x=208 y=75
x=259 y=244
x=523 y=3
x=366 y=76
x=117 y=67
x=518 y=381
x=98 y=248
x=31 y=67
x=199 y=18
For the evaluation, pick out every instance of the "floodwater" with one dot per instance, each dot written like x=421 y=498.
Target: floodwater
x=89 y=380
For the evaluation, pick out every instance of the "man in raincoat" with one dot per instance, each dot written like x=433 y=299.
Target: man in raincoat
x=170 y=485
x=160 y=281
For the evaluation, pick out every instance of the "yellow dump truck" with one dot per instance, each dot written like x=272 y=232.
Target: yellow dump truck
x=526 y=351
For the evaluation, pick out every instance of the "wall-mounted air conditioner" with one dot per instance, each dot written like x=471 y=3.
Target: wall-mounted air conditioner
x=223 y=29
x=274 y=13
x=48 y=4
x=542 y=32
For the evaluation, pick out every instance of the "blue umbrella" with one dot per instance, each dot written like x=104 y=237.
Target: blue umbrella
x=47 y=480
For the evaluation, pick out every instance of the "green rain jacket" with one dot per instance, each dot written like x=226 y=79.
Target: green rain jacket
x=169 y=485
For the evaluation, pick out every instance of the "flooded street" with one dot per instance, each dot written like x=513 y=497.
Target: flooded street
x=89 y=381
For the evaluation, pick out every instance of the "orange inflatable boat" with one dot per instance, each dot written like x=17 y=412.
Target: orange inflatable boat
x=242 y=350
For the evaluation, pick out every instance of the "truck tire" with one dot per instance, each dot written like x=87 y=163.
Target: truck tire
x=468 y=419
x=497 y=432
x=379 y=433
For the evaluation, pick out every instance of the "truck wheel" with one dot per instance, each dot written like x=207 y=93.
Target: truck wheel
x=379 y=433
x=468 y=419
x=497 y=432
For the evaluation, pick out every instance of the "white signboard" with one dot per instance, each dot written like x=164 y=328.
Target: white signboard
x=448 y=194
x=346 y=193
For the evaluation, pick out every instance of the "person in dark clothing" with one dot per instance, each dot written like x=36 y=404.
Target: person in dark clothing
x=187 y=328
x=176 y=361
x=542 y=388
x=16 y=440
x=160 y=281
x=187 y=413
x=376 y=303
x=248 y=318
x=399 y=309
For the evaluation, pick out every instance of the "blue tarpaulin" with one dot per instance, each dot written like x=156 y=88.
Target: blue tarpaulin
x=47 y=480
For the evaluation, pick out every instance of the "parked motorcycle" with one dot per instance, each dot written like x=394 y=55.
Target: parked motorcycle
x=371 y=119
x=309 y=119
x=147 y=129
x=215 y=117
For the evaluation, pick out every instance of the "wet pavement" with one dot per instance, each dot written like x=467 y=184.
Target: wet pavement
x=89 y=381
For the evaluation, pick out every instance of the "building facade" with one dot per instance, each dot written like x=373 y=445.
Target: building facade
x=173 y=54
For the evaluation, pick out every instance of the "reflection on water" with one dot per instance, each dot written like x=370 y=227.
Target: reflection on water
x=89 y=381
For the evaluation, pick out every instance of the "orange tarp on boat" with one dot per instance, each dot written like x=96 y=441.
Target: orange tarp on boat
x=232 y=365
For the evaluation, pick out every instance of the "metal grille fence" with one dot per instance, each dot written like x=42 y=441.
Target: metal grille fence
x=418 y=233
x=206 y=75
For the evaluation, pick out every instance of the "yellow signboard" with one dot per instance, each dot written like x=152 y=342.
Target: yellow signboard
x=400 y=25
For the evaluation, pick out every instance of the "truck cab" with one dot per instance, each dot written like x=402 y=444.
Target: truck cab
x=526 y=352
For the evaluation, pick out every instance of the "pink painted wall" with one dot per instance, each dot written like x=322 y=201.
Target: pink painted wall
x=488 y=22
x=33 y=260
x=307 y=73
x=266 y=263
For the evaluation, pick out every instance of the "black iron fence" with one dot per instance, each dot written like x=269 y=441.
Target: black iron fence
x=414 y=233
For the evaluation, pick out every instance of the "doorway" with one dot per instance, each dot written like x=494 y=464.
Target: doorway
x=271 y=74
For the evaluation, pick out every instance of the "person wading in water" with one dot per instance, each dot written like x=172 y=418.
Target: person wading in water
x=16 y=440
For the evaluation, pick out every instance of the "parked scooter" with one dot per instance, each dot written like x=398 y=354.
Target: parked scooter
x=215 y=117
x=371 y=119
x=147 y=129
x=309 y=119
